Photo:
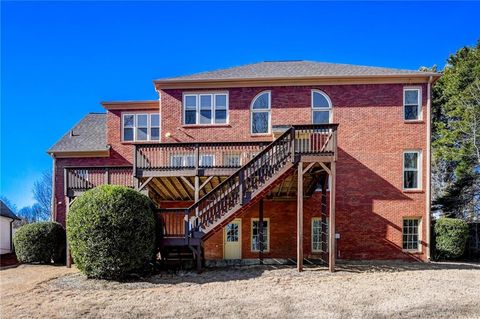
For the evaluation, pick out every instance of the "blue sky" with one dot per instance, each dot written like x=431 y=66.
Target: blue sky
x=60 y=59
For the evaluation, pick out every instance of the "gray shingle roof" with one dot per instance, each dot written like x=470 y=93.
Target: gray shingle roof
x=292 y=69
x=6 y=212
x=90 y=134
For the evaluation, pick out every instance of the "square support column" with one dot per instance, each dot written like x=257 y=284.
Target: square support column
x=331 y=220
x=68 y=261
x=300 y=217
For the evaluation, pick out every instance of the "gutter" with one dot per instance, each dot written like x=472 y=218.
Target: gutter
x=428 y=190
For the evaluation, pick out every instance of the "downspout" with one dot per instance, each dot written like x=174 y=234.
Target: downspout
x=54 y=207
x=428 y=188
x=159 y=111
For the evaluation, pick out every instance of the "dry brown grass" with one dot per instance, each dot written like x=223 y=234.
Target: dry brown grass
x=358 y=290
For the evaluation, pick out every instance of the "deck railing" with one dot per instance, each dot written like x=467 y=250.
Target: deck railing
x=185 y=156
x=236 y=189
x=174 y=222
x=79 y=179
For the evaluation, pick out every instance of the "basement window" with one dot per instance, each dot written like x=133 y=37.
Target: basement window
x=411 y=234
x=256 y=235
x=140 y=127
x=205 y=108
x=317 y=234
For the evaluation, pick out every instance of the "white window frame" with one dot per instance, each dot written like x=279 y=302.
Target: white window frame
x=201 y=159
x=197 y=96
x=135 y=127
x=419 y=106
x=266 y=249
x=237 y=155
x=419 y=234
x=419 y=170
x=311 y=235
x=183 y=158
x=322 y=109
x=269 y=110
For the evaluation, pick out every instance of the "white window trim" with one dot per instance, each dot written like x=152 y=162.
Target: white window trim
x=200 y=162
x=183 y=157
x=419 y=170
x=134 y=127
x=266 y=249
x=198 y=109
x=269 y=110
x=239 y=155
x=329 y=108
x=420 y=230
x=419 y=108
x=311 y=234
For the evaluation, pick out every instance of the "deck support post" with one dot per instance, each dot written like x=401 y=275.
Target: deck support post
x=68 y=261
x=331 y=226
x=300 y=217
x=260 y=230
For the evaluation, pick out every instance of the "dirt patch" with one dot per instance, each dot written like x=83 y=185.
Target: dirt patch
x=361 y=290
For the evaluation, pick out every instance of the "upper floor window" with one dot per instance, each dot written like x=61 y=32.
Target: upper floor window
x=260 y=113
x=205 y=108
x=412 y=98
x=141 y=127
x=321 y=108
x=411 y=170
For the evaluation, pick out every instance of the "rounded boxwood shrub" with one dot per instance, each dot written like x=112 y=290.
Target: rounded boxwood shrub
x=451 y=236
x=111 y=231
x=42 y=242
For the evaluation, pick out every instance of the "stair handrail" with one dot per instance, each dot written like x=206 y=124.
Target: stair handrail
x=287 y=137
x=238 y=173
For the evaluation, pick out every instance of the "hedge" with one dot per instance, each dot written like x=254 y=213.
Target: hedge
x=451 y=236
x=42 y=242
x=111 y=232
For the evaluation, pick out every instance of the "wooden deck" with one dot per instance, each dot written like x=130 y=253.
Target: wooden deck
x=221 y=179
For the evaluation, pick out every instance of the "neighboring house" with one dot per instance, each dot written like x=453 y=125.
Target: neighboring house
x=7 y=217
x=220 y=154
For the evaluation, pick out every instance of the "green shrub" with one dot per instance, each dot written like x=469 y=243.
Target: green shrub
x=451 y=237
x=40 y=242
x=111 y=232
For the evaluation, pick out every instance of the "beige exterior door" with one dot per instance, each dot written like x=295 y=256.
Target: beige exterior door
x=232 y=240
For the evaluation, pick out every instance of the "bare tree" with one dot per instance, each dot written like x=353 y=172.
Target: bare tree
x=42 y=192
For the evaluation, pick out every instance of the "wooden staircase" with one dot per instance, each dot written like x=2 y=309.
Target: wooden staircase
x=191 y=226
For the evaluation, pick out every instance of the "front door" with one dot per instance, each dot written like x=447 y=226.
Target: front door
x=232 y=240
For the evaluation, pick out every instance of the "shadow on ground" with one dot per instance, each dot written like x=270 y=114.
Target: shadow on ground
x=245 y=273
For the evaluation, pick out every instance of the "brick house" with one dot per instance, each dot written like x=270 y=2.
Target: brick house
x=287 y=160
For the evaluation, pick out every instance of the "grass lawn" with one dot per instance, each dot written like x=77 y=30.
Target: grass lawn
x=357 y=290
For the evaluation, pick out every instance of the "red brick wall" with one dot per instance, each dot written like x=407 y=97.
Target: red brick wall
x=371 y=139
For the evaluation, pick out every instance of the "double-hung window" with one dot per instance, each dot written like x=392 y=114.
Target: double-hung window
x=411 y=234
x=321 y=108
x=205 y=108
x=411 y=170
x=412 y=98
x=141 y=127
x=256 y=235
x=318 y=235
x=178 y=160
x=261 y=113
x=231 y=160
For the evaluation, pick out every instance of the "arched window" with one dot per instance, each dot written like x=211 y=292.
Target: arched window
x=321 y=108
x=260 y=113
